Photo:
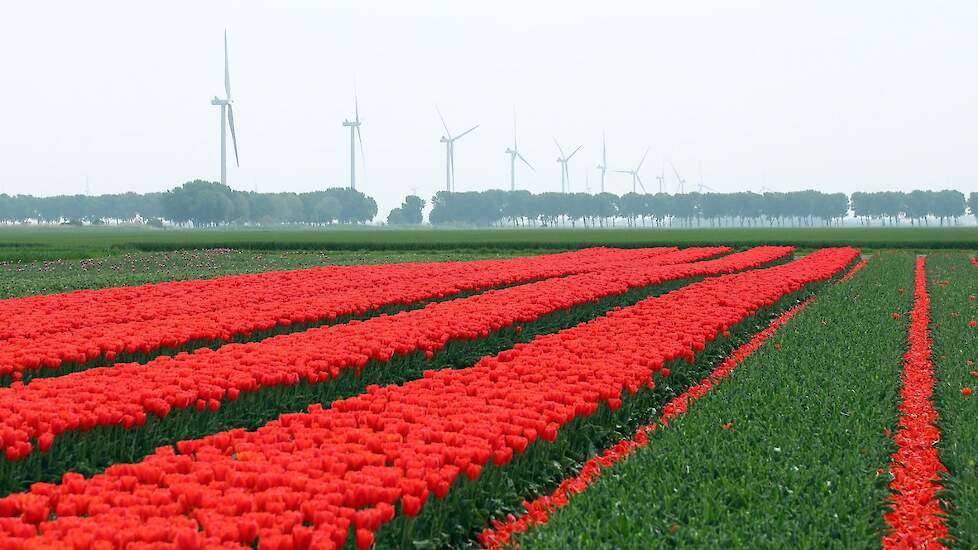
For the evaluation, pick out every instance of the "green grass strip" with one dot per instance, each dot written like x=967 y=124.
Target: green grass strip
x=802 y=463
x=951 y=282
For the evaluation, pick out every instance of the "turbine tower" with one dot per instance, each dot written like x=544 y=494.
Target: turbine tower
x=662 y=177
x=604 y=160
x=514 y=153
x=636 y=179
x=354 y=126
x=449 y=142
x=227 y=117
x=563 y=160
x=682 y=182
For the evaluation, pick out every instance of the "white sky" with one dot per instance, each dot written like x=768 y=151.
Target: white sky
x=836 y=95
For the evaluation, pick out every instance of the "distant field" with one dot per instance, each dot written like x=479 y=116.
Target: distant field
x=26 y=278
x=17 y=243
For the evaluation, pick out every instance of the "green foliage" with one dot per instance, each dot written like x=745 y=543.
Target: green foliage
x=409 y=213
x=520 y=208
x=916 y=205
x=199 y=202
x=973 y=204
x=951 y=280
x=797 y=467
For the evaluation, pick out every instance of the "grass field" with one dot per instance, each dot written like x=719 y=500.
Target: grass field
x=25 y=243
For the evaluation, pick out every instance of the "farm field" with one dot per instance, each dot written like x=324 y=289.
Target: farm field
x=48 y=276
x=686 y=393
x=47 y=243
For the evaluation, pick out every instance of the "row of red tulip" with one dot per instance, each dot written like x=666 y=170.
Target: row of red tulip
x=123 y=304
x=303 y=481
x=540 y=509
x=915 y=520
x=34 y=415
x=852 y=272
x=104 y=324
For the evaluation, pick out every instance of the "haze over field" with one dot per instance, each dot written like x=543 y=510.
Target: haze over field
x=840 y=96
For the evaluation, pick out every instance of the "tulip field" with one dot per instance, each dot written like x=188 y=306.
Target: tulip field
x=696 y=396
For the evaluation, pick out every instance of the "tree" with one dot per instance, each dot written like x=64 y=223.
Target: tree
x=409 y=213
x=199 y=202
x=973 y=204
x=919 y=205
x=948 y=204
x=355 y=207
x=322 y=209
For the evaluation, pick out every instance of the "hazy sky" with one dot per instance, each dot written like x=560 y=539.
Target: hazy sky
x=835 y=95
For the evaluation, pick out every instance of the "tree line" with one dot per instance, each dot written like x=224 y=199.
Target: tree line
x=200 y=203
x=916 y=206
x=800 y=208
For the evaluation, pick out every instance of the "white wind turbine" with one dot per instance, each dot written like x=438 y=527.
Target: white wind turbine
x=227 y=117
x=354 y=126
x=449 y=142
x=514 y=153
x=603 y=167
x=636 y=179
x=563 y=160
x=682 y=182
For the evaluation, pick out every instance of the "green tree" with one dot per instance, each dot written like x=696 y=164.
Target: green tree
x=200 y=202
x=409 y=213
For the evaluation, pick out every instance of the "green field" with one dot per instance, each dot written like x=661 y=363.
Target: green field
x=26 y=243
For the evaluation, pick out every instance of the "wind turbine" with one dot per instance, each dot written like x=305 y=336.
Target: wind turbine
x=682 y=182
x=604 y=160
x=449 y=142
x=662 y=177
x=227 y=117
x=563 y=160
x=514 y=153
x=354 y=126
x=636 y=179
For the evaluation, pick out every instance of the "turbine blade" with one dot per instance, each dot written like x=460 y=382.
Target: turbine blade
x=356 y=106
x=234 y=139
x=640 y=184
x=467 y=131
x=448 y=132
x=639 y=167
x=227 y=71
x=526 y=162
x=559 y=148
x=623 y=171
x=360 y=139
x=514 y=127
x=575 y=151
